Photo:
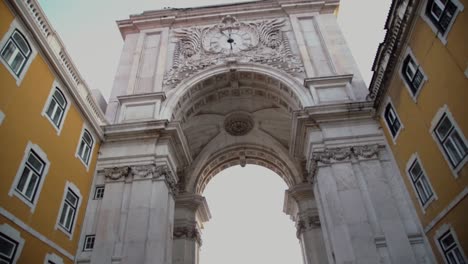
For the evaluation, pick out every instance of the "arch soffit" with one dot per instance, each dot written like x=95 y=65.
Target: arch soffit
x=174 y=95
x=241 y=154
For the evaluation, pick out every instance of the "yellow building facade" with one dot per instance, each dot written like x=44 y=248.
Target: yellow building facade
x=420 y=88
x=50 y=135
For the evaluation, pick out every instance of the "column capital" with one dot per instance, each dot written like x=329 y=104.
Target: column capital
x=307 y=220
x=188 y=231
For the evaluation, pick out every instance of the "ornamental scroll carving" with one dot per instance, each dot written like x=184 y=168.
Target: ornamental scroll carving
x=141 y=172
x=261 y=42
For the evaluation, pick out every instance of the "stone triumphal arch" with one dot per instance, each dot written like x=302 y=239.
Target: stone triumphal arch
x=270 y=83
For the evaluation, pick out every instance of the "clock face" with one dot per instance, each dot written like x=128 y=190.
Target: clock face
x=230 y=41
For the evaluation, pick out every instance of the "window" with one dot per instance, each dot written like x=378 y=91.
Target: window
x=89 y=242
x=69 y=209
x=99 y=192
x=52 y=258
x=441 y=13
x=412 y=74
x=450 y=249
x=57 y=106
x=452 y=142
x=392 y=120
x=8 y=249
x=420 y=182
x=16 y=52
x=85 y=147
x=31 y=176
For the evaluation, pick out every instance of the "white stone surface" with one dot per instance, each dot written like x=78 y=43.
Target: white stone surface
x=304 y=116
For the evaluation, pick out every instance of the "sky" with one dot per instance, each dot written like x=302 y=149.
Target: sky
x=247 y=225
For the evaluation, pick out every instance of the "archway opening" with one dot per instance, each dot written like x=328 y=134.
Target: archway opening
x=248 y=224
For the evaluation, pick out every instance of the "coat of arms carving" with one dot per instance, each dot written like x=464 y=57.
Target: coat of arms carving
x=256 y=42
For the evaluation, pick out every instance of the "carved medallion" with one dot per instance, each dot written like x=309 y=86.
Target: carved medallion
x=238 y=124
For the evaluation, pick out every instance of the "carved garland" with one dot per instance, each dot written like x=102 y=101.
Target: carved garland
x=197 y=48
x=141 y=172
x=329 y=156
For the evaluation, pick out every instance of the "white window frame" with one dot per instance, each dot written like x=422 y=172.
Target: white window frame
x=442 y=231
x=409 y=53
x=96 y=192
x=412 y=159
x=56 y=85
x=86 y=249
x=394 y=137
x=434 y=123
x=16 y=25
x=76 y=191
x=15 y=235
x=54 y=258
x=77 y=154
x=30 y=146
x=442 y=36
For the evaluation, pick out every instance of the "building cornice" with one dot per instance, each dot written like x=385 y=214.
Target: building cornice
x=57 y=56
x=399 y=22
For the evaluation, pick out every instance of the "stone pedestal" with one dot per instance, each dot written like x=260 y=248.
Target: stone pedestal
x=191 y=211
x=301 y=206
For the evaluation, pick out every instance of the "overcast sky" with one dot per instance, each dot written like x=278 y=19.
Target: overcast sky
x=248 y=225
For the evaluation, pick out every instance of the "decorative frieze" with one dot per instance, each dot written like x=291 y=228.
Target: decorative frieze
x=329 y=156
x=256 y=42
x=117 y=173
x=188 y=231
x=150 y=171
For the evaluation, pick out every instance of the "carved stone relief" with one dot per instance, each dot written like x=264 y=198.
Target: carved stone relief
x=249 y=42
x=329 y=156
x=150 y=171
x=238 y=124
x=307 y=221
x=189 y=231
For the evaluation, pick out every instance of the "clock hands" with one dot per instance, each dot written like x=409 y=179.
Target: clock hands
x=230 y=40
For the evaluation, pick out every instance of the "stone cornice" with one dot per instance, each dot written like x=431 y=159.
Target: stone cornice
x=154 y=129
x=58 y=58
x=312 y=116
x=140 y=97
x=195 y=203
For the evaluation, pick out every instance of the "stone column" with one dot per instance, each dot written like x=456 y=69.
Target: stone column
x=191 y=211
x=300 y=204
x=137 y=213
